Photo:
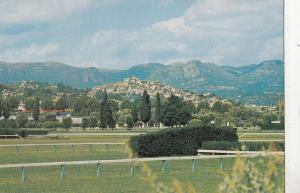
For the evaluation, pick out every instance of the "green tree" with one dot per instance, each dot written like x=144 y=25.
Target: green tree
x=145 y=107
x=29 y=101
x=217 y=107
x=22 y=119
x=5 y=109
x=67 y=122
x=36 y=109
x=92 y=104
x=85 y=122
x=106 y=117
x=1 y=106
x=13 y=102
x=47 y=104
x=203 y=105
x=134 y=113
x=129 y=122
x=62 y=103
x=93 y=121
x=220 y=107
x=157 y=110
x=175 y=112
x=125 y=104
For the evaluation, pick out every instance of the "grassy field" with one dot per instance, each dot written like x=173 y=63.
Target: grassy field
x=115 y=178
x=261 y=136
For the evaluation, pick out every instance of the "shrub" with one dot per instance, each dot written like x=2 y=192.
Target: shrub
x=67 y=122
x=2 y=123
x=11 y=123
x=272 y=126
x=36 y=132
x=195 y=122
x=50 y=117
x=247 y=145
x=178 y=141
x=255 y=176
x=22 y=119
x=30 y=124
x=51 y=124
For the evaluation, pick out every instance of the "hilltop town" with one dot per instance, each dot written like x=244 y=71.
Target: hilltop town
x=136 y=86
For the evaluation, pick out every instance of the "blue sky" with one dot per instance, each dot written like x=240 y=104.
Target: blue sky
x=122 y=33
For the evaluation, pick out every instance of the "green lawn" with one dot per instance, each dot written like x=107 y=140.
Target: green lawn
x=261 y=136
x=115 y=178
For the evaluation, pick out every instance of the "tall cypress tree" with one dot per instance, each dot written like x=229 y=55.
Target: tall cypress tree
x=36 y=109
x=5 y=109
x=106 y=117
x=157 y=110
x=145 y=107
x=1 y=106
x=134 y=113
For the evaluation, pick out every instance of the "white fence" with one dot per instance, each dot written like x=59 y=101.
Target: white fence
x=54 y=145
x=15 y=135
x=132 y=161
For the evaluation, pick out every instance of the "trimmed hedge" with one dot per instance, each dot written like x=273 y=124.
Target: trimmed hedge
x=273 y=126
x=178 y=141
x=246 y=145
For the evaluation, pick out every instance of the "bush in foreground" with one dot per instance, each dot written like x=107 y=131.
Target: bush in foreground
x=178 y=141
x=255 y=176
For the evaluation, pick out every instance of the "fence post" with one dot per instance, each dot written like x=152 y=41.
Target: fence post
x=106 y=147
x=193 y=165
x=23 y=174
x=91 y=149
x=222 y=163
x=62 y=172
x=132 y=168
x=73 y=148
x=163 y=166
x=98 y=169
x=17 y=148
x=54 y=147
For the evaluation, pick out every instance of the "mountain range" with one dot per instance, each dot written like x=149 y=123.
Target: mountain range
x=261 y=83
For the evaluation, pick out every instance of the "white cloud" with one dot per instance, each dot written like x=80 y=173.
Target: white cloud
x=32 y=53
x=271 y=49
x=229 y=32
x=17 y=11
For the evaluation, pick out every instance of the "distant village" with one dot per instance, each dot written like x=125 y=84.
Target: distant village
x=136 y=86
x=129 y=87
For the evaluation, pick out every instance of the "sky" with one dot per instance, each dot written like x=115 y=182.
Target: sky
x=119 y=34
